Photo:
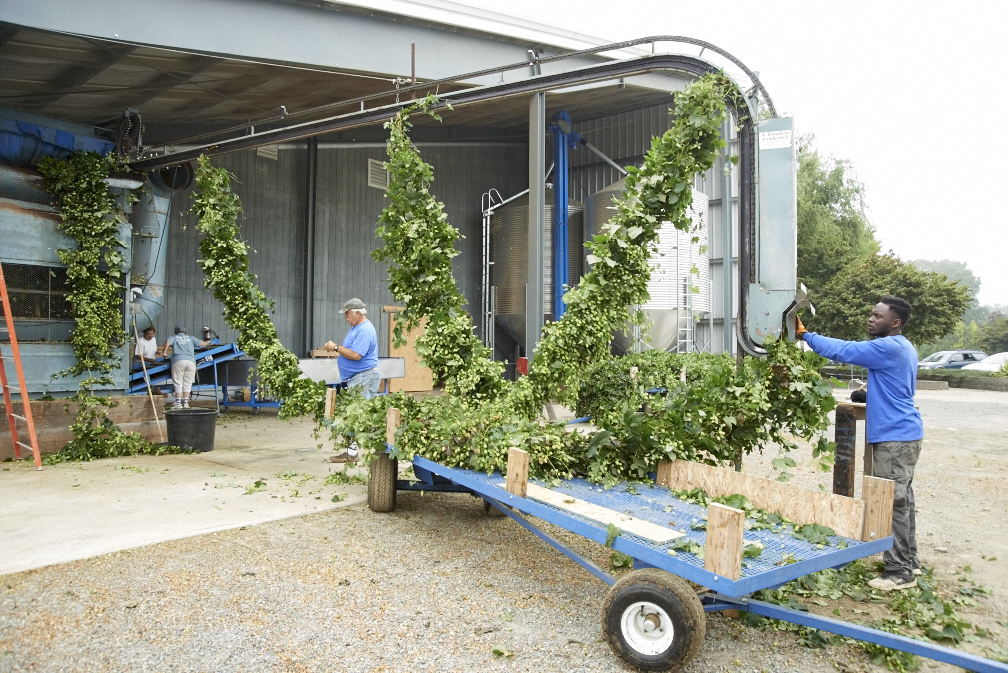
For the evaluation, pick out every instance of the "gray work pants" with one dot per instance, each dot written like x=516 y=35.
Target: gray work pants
x=896 y=461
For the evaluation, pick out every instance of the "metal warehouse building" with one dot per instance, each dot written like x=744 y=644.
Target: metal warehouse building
x=291 y=99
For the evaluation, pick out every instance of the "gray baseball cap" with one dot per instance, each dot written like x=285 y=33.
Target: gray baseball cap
x=179 y=329
x=354 y=304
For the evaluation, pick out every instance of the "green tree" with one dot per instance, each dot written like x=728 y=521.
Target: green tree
x=993 y=337
x=955 y=271
x=848 y=298
x=833 y=227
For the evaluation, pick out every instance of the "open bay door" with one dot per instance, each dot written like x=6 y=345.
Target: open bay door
x=769 y=270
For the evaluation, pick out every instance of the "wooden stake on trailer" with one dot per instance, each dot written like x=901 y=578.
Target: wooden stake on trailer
x=393 y=417
x=517 y=472
x=723 y=552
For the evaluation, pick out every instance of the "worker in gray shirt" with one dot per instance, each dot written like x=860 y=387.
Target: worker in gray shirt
x=183 y=364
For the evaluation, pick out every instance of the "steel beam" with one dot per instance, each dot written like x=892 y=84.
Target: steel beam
x=727 y=286
x=687 y=65
x=311 y=179
x=323 y=36
x=606 y=577
x=921 y=648
x=534 y=305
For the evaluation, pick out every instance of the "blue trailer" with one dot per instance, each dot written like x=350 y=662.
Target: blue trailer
x=653 y=618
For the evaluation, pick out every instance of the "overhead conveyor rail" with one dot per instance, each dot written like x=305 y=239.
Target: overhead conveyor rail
x=652 y=617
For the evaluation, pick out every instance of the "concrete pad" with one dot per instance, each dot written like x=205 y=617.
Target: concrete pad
x=926 y=384
x=76 y=510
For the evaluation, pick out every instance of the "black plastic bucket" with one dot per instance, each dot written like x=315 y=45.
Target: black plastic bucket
x=191 y=428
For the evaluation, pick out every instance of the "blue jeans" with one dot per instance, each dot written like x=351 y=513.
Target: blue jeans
x=367 y=381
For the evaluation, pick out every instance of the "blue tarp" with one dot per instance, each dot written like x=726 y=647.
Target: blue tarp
x=24 y=144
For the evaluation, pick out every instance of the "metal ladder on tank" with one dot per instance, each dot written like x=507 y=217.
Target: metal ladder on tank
x=684 y=334
x=15 y=357
x=684 y=337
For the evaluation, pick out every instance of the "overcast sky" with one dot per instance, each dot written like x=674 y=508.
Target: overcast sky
x=911 y=92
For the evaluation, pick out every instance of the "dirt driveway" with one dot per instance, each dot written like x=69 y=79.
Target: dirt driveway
x=437 y=586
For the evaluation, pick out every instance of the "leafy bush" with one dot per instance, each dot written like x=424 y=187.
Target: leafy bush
x=719 y=413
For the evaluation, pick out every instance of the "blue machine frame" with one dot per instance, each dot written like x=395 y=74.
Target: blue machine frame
x=730 y=594
x=160 y=377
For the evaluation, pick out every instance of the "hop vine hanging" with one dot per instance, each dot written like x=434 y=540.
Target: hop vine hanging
x=481 y=416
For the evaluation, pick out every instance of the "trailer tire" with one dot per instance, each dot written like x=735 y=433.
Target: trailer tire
x=654 y=620
x=492 y=511
x=381 y=485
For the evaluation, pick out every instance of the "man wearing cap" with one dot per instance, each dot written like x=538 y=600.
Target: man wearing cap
x=183 y=364
x=357 y=360
x=358 y=356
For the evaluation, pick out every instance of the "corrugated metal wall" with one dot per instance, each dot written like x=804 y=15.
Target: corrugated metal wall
x=273 y=193
x=272 y=221
x=625 y=138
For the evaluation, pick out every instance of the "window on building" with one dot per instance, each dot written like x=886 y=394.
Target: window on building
x=38 y=299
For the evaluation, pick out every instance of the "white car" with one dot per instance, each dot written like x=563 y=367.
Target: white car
x=989 y=364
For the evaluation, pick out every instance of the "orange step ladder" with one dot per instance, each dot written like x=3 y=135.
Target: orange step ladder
x=12 y=418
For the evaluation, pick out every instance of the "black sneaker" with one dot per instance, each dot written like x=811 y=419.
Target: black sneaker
x=893 y=581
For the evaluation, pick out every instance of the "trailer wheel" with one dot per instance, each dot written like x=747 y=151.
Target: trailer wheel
x=381 y=485
x=653 y=620
x=492 y=511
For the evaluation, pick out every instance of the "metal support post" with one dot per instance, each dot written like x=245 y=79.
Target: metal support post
x=311 y=175
x=726 y=243
x=561 y=159
x=535 y=308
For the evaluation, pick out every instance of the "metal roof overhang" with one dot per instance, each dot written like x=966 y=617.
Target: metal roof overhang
x=687 y=65
x=693 y=67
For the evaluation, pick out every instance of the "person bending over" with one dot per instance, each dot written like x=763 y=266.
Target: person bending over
x=183 y=364
x=894 y=427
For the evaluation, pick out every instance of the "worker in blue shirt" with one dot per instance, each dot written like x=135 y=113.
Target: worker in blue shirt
x=357 y=359
x=894 y=427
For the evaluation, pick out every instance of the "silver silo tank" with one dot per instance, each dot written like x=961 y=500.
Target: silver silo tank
x=672 y=305
x=509 y=252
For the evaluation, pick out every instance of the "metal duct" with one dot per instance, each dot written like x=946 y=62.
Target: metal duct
x=150 y=219
x=673 y=304
x=509 y=246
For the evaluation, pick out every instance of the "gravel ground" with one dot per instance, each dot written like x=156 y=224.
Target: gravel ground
x=436 y=585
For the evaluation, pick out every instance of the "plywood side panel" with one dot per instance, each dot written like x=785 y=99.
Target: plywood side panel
x=418 y=378
x=801 y=505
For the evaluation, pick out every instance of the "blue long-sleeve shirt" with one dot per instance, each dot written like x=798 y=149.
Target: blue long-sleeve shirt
x=892 y=382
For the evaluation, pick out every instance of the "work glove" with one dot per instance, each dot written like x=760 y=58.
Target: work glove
x=799 y=330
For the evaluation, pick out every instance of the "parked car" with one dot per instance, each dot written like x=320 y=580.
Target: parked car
x=991 y=364
x=951 y=359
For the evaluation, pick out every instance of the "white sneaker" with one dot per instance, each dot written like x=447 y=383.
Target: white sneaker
x=177 y=404
x=893 y=581
x=185 y=404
